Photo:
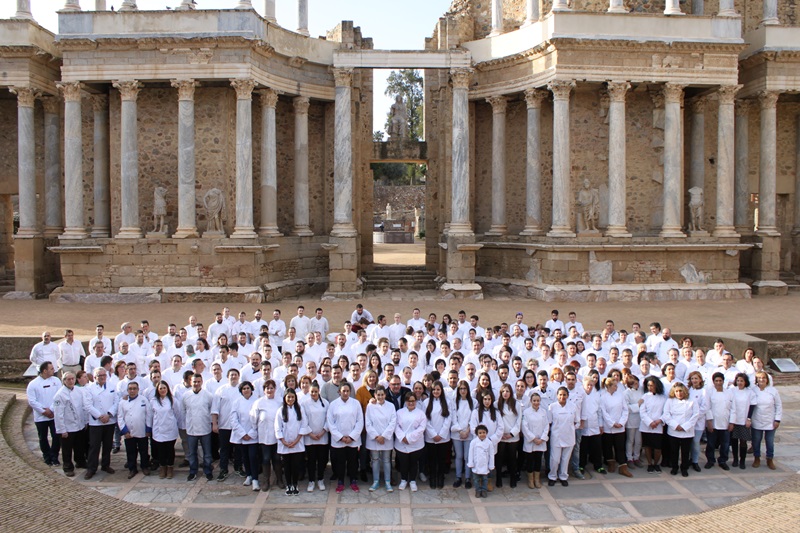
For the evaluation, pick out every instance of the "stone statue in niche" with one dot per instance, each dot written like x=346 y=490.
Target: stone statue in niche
x=417 y=216
x=696 y=204
x=588 y=208
x=692 y=275
x=389 y=212
x=159 y=210
x=398 y=125
x=214 y=202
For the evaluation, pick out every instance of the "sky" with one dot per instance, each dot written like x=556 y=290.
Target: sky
x=393 y=25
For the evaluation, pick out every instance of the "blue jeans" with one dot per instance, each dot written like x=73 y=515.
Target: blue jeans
x=49 y=451
x=574 y=460
x=250 y=459
x=378 y=458
x=719 y=437
x=481 y=482
x=461 y=448
x=205 y=442
x=764 y=434
x=696 y=446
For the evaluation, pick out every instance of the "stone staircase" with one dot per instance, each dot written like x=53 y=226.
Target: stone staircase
x=790 y=279
x=400 y=277
x=6 y=281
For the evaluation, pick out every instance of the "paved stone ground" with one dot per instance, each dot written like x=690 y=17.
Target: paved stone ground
x=605 y=501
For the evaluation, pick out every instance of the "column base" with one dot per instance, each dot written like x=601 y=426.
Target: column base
x=304 y=33
x=186 y=233
x=672 y=233
x=618 y=232
x=531 y=231
x=495 y=33
x=129 y=233
x=770 y=22
x=343 y=230
x=100 y=232
x=729 y=13
x=243 y=233
x=460 y=229
x=618 y=9
x=302 y=231
x=724 y=231
x=564 y=232
x=697 y=233
x=768 y=231
x=27 y=233
x=744 y=230
x=52 y=231
x=269 y=231
x=674 y=12
x=497 y=230
x=72 y=234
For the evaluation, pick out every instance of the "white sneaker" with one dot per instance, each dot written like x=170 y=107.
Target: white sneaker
x=403 y=484
x=413 y=486
x=321 y=485
x=248 y=481
x=256 y=487
x=311 y=486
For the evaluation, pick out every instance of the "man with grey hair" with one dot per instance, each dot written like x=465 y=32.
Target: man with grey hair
x=101 y=407
x=70 y=419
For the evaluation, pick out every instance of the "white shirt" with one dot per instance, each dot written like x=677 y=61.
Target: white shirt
x=578 y=326
x=197 y=412
x=101 y=400
x=300 y=325
x=319 y=324
x=615 y=411
x=437 y=424
x=165 y=419
x=534 y=424
x=553 y=325
x=216 y=329
x=380 y=420
x=410 y=426
x=241 y=327
x=769 y=408
x=290 y=429
x=277 y=332
x=70 y=354
x=355 y=317
x=592 y=414
x=652 y=409
x=345 y=419
x=106 y=345
x=480 y=458
x=683 y=413
x=241 y=424
x=564 y=420
x=223 y=404
x=512 y=422
x=42 y=352
x=316 y=412
x=417 y=323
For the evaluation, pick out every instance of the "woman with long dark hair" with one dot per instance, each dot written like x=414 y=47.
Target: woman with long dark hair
x=511 y=415
x=290 y=428
x=316 y=441
x=437 y=435
x=165 y=429
x=461 y=434
x=486 y=414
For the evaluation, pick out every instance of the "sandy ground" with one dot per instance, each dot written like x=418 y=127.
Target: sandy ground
x=399 y=254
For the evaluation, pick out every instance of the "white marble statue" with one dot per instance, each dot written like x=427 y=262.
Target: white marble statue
x=159 y=210
x=417 y=216
x=588 y=207
x=389 y=212
x=398 y=125
x=214 y=202
x=696 y=204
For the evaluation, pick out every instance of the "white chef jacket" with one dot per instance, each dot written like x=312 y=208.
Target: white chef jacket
x=480 y=458
x=197 y=412
x=460 y=416
x=742 y=400
x=437 y=424
x=700 y=397
x=345 y=419
x=317 y=413
x=241 y=424
x=511 y=422
x=564 y=420
x=652 y=409
x=410 y=426
x=107 y=349
x=769 y=408
x=494 y=427
x=277 y=332
x=41 y=393
x=42 y=352
x=69 y=410
x=165 y=419
x=720 y=408
x=135 y=416
x=615 y=411
x=592 y=414
x=380 y=420
x=632 y=397
x=290 y=429
x=534 y=424
x=223 y=405
x=682 y=413
x=263 y=415
x=101 y=400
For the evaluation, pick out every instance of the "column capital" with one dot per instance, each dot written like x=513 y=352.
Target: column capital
x=51 y=105
x=343 y=77
x=99 y=102
x=727 y=94
x=768 y=99
x=743 y=107
x=698 y=105
x=128 y=89
x=185 y=88
x=561 y=89
x=673 y=93
x=244 y=88
x=72 y=90
x=499 y=103
x=26 y=97
x=301 y=104
x=461 y=77
x=269 y=96
x=617 y=90
x=534 y=97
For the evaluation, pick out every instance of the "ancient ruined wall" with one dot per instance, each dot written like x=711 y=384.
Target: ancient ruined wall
x=402 y=198
x=8 y=144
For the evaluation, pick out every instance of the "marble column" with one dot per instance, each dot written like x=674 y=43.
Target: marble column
x=244 y=4
x=26 y=150
x=743 y=224
x=187 y=200
x=269 y=165
x=75 y=225
x=23 y=13
x=497 y=18
x=301 y=216
x=533 y=163
x=532 y=11
x=796 y=228
x=698 y=7
x=697 y=145
x=243 y=229
x=459 y=207
x=726 y=161
x=617 y=6
x=343 y=156
x=100 y=5
x=727 y=8
x=130 y=227
x=617 y=160
x=770 y=13
x=53 y=204
x=561 y=5
x=302 y=17
x=269 y=11
x=673 y=148
x=767 y=222
x=102 y=191
x=128 y=5
x=499 y=105
x=562 y=198
x=71 y=6
x=673 y=7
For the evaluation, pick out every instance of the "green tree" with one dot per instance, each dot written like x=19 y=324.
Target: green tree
x=407 y=83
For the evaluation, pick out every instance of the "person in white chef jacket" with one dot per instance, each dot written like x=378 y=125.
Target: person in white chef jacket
x=345 y=423
x=244 y=433
x=680 y=416
x=291 y=426
x=535 y=428
x=166 y=413
x=766 y=419
x=70 y=420
x=135 y=420
x=409 y=441
x=380 y=420
x=263 y=415
x=316 y=410
x=564 y=419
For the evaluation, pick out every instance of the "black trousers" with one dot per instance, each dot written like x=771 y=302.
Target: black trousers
x=684 y=446
x=591 y=450
x=100 y=437
x=73 y=446
x=345 y=461
x=137 y=447
x=164 y=452
x=614 y=447
x=437 y=454
x=49 y=449
x=533 y=461
x=293 y=465
x=407 y=464
x=506 y=457
x=316 y=460
x=226 y=450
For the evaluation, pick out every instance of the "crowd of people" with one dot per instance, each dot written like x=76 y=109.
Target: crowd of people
x=410 y=400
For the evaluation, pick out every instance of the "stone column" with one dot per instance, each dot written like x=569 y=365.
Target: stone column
x=301 y=216
x=532 y=12
x=75 y=225
x=130 y=227
x=102 y=193
x=269 y=11
x=770 y=13
x=533 y=164
x=697 y=145
x=562 y=198
x=23 y=13
x=243 y=229
x=617 y=6
x=743 y=224
x=497 y=18
x=302 y=17
x=269 y=165
x=698 y=7
x=244 y=4
x=459 y=219
x=673 y=135
x=187 y=215
x=767 y=222
x=52 y=167
x=99 y=5
x=673 y=7
x=343 y=157
x=796 y=228
x=499 y=105
x=560 y=5
x=186 y=5
x=26 y=150
x=617 y=160
x=727 y=9
x=71 y=6
x=128 y=5
x=726 y=161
